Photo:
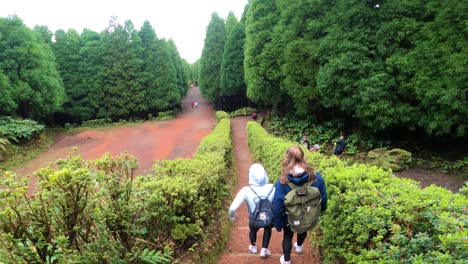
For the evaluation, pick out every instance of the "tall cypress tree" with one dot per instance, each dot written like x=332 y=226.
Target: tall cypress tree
x=211 y=59
x=123 y=94
x=177 y=61
x=66 y=48
x=91 y=74
x=233 y=87
x=160 y=74
x=262 y=72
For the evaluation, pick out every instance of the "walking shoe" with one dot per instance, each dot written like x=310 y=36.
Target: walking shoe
x=253 y=249
x=265 y=252
x=282 y=261
x=298 y=248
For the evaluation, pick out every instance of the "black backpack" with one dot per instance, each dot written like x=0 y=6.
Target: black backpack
x=262 y=216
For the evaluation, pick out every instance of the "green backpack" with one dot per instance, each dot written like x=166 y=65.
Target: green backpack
x=302 y=207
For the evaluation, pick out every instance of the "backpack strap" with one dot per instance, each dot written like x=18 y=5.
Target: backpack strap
x=268 y=195
x=292 y=185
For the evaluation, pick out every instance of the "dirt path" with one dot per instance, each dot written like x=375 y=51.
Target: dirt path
x=149 y=141
x=237 y=248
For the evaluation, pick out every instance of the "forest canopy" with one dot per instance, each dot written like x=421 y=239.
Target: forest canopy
x=66 y=76
x=380 y=65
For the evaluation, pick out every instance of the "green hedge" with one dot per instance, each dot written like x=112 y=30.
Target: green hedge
x=100 y=212
x=220 y=115
x=373 y=217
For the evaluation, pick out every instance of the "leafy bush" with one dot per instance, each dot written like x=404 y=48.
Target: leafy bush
x=166 y=115
x=245 y=111
x=220 y=115
x=99 y=212
x=19 y=129
x=373 y=217
x=96 y=122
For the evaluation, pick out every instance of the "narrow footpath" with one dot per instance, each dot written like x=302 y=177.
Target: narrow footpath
x=237 y=247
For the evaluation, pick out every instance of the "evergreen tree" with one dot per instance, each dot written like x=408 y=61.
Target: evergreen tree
x=160 y=74
x=7 y=102
x=123 y=93
x=233 y=88
x=262 y=72
x=91 y=74
x=29 y=64
x=211 y=59
x=177 y=61
x=66 y=48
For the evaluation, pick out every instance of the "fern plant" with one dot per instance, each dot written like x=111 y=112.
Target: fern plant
x=4 y=142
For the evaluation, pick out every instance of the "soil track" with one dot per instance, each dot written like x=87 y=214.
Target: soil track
x=237 y=248
x=149 y=141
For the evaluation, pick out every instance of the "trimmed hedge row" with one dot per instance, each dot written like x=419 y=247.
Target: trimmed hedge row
x=100 y=212
x=373 y=217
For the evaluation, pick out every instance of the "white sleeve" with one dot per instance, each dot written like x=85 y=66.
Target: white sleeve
x=240 y=198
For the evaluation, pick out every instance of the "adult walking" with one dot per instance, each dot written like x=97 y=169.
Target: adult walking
x=295 y=171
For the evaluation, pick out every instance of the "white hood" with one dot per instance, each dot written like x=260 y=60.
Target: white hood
x=257 y=175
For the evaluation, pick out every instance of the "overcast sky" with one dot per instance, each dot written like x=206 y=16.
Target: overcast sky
x=183 y=21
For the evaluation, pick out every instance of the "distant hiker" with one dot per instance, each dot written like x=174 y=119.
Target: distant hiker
x=196 y=104
x=296 y=174
x=340 y=146
x=258 y=189
x=315 y=148
x=254 y=116
x=304 y=142
x=193 y=103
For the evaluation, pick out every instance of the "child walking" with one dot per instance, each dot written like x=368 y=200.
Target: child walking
x=258 y=187
x=296 y=170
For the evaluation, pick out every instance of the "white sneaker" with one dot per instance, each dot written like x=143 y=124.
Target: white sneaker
x=265 y=252
x=298 y=248
x=284 y=262
x=253 y=249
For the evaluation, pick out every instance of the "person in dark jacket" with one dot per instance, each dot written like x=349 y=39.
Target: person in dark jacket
x=340 y=146
x=295 y=169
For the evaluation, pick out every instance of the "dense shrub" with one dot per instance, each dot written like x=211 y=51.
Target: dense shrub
x=19 y=129
x=166 y=115
x=220 y=115
x=373 y=217
x=100 y=212
x=97 y=122
x=245 y=111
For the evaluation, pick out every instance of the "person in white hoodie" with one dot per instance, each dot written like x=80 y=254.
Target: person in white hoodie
x=258 y=182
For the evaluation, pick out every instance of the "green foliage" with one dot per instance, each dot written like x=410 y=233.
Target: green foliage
x=28 y=73
x=262 y=53
x=394 y=159
x=4 y=142
x=221 y=114
x=293 y=129
x=373 y=217
x=211 y=59
x=97 y=122
x=20 y=129
x=385 y=64
x=245 y=111
x=154 y=257
x=232 y=71
x=166 y=115
x=100 y=212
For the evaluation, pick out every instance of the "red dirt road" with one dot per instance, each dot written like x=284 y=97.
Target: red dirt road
x=237 y=247
x=149 y=141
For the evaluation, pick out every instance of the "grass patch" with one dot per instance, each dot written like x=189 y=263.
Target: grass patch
x=17 y=155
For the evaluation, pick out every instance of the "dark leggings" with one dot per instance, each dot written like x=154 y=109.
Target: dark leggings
x=266 y=235
x=287 y=241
